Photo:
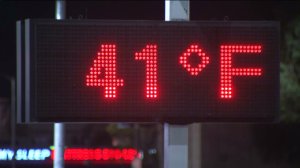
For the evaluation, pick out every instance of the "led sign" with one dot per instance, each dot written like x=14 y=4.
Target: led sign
x=95 y=155
x=147 y=71
x=83 y=154
x=25 y=154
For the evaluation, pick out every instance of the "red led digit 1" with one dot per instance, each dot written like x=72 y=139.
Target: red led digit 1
x=227 y=72
x=183 y=60
x=149 y=54
x=105 y=66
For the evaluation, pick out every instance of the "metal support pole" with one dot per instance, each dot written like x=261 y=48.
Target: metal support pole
x=177 y=10
x=175 y=146
x=176 y=136
x=195 y=147
x=60 y=9
x=58 y=161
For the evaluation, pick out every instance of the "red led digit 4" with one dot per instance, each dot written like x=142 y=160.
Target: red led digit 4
x=149 y=54
x=227 y=72
x=183 y=59
x=105 y=65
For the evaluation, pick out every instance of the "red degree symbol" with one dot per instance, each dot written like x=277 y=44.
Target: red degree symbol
x=183 y=59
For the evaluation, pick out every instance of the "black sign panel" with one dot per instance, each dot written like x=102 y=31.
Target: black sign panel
x=147 y=71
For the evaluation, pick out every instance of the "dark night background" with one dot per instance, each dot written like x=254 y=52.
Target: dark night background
x=11 y=11
x=268 y=145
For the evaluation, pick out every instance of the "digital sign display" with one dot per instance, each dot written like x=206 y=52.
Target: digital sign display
x=71 y=155
x=147 y=71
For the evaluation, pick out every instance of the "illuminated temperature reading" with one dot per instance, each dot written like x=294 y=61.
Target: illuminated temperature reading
x=149 y=54
x=103 y=72
x=183 y=59
x=104 y=67
x=227 y=72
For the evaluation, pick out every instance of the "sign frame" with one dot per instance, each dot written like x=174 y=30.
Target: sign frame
x=26 y=112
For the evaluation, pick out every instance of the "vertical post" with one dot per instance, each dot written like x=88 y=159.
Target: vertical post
x=58 y=161
x=60 y=9
x=195 y=160
x=176 y=136
x=175 y=146
x=177 y=10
